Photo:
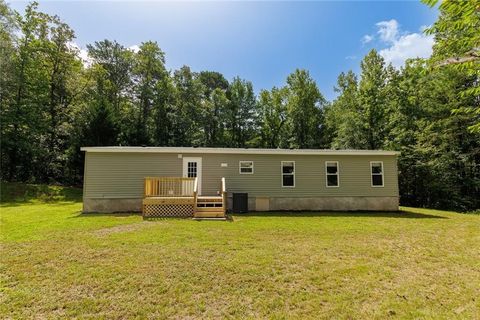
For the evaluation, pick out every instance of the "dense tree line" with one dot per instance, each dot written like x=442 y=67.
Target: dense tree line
x=52 y=103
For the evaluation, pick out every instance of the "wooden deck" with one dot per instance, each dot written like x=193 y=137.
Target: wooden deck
x=178 y=197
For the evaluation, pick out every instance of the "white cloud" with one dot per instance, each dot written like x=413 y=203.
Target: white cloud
x=388 y=30
x=367 y=38
x=82 y=54
x=351 y=57
x=400 y=46
x=135 y=48
x=413 y=45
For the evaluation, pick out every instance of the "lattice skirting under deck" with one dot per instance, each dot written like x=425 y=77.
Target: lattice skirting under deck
x=168 y=207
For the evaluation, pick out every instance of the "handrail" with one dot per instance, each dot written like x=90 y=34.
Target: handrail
x=195 y=195
x=224 y=195
x=169 y=187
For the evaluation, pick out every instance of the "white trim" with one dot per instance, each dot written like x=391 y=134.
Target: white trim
x=294 y=174
x=371 y=175
x=331 y=174
x=182 y=150
x=198 y=160
x=240 y=167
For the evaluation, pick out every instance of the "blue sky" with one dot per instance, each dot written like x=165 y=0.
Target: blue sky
x=259 y=41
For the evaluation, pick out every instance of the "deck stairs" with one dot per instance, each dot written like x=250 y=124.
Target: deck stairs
x=209 y=207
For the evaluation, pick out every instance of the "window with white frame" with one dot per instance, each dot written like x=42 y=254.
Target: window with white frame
x=288 y=173
x=332 y=173
x=377 y=173
x=245 y=167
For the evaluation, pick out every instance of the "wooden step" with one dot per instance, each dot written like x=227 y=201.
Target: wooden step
x=209 y=205
x=209 y=199
x=209 y=214
x=209 y=209
x=210 y=219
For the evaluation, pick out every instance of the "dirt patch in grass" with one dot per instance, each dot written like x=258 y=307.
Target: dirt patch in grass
x=123 y=228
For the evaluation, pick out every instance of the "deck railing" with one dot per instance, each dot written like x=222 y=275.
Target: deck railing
x=195 y=195
x=170 y=187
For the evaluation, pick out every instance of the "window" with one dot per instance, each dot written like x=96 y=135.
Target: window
x=288 y=173
x=331 y=171
x=246 y=167
x=192 y=169
x=377 y=173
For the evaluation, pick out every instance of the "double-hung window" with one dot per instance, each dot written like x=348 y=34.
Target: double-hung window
x=332 y=174
x=245 y=167
x=288 y=174
x=376 y=168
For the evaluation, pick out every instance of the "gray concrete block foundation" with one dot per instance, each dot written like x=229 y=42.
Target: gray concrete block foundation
x=273 y=203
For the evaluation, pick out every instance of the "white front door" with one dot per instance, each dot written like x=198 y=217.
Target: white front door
x=192 y=167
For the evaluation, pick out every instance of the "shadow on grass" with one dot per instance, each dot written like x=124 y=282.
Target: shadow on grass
x=353 y=214
x=13 y=194
x=348 y=214
x=115 y=214
x=19 y=203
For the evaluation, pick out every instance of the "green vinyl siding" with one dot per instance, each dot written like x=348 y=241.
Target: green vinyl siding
x=120 y=175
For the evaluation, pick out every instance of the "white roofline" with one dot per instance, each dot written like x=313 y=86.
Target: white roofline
x=240 y=151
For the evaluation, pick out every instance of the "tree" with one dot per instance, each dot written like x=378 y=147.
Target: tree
x=372 y=100
x=241 y=114
x=117 y=62
x=304 y=107
x=112 y=66
x=186 y=125
x=32 y=117
x=457 y=46
x=163 y=111
x=341 y=117
x=213 y=103
x=273 y=117
x=149 y=74
x=62 y=67
x=8 y=30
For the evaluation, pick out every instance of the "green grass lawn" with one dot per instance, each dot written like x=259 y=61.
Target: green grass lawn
x=59 y=263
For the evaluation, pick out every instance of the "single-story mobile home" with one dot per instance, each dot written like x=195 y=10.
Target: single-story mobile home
x=201 y=181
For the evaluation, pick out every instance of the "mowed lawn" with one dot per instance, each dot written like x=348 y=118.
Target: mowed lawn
x=59 y=263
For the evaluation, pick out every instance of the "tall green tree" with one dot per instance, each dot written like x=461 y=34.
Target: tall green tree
x=372 y=100
x=163 y=111
x=62 y=67
x=8 y=30
x=213 y=104
x=304 y=107
x=241 y=114
x=186 y=124
x=117 y=63
x=112 y=66
x=149 y=75
x=35 y=117
x=273 y=117
x=446 y=154
x=19 y=116
x=342 y=124
x=457 y=46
